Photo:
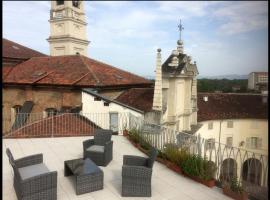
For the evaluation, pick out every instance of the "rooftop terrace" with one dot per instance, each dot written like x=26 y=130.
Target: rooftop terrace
x=166 y=184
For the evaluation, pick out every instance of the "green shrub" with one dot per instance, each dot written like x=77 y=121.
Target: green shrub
x=174 y=154
x=236 y=185
x=134 y=135
x=195 y=165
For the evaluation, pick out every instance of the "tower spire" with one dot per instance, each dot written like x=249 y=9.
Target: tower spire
x=180 y=27
x=180 y=44
x=157 y=100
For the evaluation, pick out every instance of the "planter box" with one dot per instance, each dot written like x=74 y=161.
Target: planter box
x=174 y=167
x=234 y=195
x=209 y=183
x=125 y=133
x=161 y=160
x=142 y=149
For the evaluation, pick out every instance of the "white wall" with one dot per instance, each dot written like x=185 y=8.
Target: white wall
x=242 y=129
x=100 y=114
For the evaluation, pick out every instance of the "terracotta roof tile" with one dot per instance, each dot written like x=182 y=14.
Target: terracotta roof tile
x=231 y=106
x=14 y=50
x=218 y=106
x=6 y=70
x=61 y=125
x=139 y=98
x=73 y=70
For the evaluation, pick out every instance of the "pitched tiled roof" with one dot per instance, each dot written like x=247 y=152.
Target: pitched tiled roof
x=14 y=50
x=139 y=98
x=72 y=70
x=6 y=70
x=60 y=125
x=218 y=106
x=231 y=106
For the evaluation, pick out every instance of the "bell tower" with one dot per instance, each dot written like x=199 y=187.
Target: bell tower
x=68 y=28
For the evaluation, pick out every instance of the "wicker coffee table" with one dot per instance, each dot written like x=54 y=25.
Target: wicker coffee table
x=89 y=177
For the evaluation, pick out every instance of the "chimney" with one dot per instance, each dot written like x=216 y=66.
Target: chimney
x=157 y=100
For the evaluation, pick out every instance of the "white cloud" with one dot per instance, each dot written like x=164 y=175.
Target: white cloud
x=242 y=17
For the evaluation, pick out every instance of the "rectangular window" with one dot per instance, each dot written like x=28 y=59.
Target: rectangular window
x=97 y=99
x=229 y=141
x=254 y=143
x=229 y=124
x=210 y=143
x=210 y=125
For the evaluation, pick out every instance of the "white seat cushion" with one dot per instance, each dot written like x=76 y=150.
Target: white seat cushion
x=33 y=170
x=96 y=148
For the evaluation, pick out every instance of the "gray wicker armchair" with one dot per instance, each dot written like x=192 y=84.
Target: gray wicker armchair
x=32 y=179
x=137 y=174
x=99 y=149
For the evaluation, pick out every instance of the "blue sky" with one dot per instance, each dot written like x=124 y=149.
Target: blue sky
x=222 y=37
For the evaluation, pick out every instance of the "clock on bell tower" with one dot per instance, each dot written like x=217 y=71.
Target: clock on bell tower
x=68 y=28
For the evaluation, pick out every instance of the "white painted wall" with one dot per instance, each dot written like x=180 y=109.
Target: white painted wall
x=242 y=129
x=100 y=114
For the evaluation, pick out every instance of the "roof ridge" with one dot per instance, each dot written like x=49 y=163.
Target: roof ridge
x=117 y=68
x=74 y=82
x=90 y=70
x=42 y=77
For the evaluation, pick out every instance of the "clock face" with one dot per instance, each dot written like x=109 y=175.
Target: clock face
x=75 y=3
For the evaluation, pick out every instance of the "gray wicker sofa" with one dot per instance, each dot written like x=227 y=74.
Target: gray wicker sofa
x=137 y=174
x=99 y=149
x=32 y=178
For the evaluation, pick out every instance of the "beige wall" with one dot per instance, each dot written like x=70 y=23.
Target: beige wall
x=42 y=98
x=177 y=97
x=67 y=30
x=242 y=129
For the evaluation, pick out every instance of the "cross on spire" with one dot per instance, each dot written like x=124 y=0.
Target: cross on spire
x=180 y=26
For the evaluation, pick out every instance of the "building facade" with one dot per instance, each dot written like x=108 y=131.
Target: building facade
x=36 y=83
x=68 y=28
x=177 y=92
x=258 y=81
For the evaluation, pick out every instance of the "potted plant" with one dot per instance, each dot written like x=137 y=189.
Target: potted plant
x=125 y=132
x=144 y=145
x=199 y=169
x=235 y=190
x=134 y=137
x=162 y=158
x=174 y=155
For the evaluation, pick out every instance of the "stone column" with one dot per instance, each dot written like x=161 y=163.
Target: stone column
x=157 y=101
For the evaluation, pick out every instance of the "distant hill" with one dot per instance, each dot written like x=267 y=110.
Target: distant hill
x=229 y=76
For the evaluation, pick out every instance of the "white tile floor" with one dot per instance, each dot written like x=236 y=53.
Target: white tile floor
x=166 y=185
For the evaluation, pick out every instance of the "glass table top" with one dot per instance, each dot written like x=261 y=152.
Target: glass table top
x=81 y=167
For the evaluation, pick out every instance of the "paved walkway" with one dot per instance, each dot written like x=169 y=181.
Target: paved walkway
x=166 y=185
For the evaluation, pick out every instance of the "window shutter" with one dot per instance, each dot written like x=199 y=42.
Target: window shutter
x=259 y=143
x=248 y=141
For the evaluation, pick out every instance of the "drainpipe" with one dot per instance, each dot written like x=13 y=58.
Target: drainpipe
x=219 y=151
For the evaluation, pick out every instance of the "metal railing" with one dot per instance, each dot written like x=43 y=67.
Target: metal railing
x=62 y=124
x=251 y=168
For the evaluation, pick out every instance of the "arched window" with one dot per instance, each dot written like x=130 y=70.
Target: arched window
x=228 y=170
x=252 y=171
